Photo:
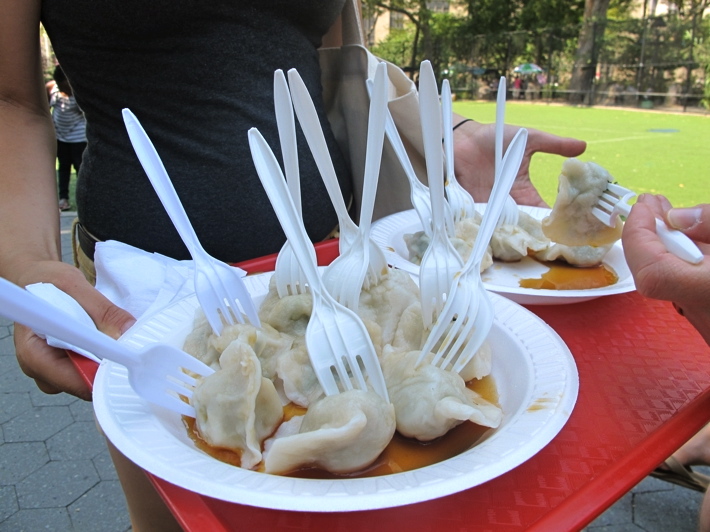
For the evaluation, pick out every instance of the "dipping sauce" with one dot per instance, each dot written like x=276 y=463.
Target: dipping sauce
x=402 y=454
x=562 y=276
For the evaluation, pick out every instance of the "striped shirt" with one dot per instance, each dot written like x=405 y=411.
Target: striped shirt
x=69 y=121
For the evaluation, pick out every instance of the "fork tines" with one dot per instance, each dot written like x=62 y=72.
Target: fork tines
x=612 y=202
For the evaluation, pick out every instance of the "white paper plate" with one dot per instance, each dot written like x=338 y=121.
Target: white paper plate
x=503 y=277
x=533 y=370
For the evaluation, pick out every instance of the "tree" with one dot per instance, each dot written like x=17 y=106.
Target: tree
x=586 y=57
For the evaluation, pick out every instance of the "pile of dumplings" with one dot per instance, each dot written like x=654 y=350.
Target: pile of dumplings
x=570 y=233
x=259 y=370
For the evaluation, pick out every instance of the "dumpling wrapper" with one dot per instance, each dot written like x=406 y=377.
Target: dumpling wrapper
x=510 y=243
x=465 y=232
x=429 y=401
x=571 y=221
x=340 y=433
x=382 y=305
x=583 y=256
x=236 y=408
x=289 y=316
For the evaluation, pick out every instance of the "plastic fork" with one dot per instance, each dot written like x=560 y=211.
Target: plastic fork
x=441 y=261
x=614 y=202
x=156 y=373
x=356 y=267
x=219 y=287
x=339 y=346
x=287 y=274
x=467 y=317
x=418 y=191
x=310 y=125
x=460 y=200
x=510 y=215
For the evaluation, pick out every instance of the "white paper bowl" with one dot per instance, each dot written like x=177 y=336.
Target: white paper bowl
x=533 y=369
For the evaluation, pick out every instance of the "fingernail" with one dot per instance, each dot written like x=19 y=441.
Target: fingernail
x=127 y=325
x=684 y=219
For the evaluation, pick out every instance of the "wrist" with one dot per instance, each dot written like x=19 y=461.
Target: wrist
x=461 y=123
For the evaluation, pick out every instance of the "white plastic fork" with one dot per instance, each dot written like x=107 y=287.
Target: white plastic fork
x=219 y=287
x=461 y=201
x=467 y=317
x=156 y=373
x=310 y=125
x=614 y=202
x=288 y=276
x=337 y=341
x=355 y=268
x=511 y=214
x=418 y=191
x=441 y=261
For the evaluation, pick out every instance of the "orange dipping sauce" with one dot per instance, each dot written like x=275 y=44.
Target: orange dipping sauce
x=562 y=276
x=402 y=454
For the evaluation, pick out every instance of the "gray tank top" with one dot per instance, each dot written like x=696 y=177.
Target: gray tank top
x=197 y=74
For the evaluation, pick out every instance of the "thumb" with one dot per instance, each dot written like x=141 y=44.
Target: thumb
x=109 y=318
x=693 y=221
x=542 y=141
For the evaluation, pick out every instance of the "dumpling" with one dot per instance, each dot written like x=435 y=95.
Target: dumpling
x=340 y=433
x=299 y=381
x=289 y=316
x=268 y=343
x=382 y=305
x=583 y=256
x=197 y=342
x=571 y=221
x=236 y=408
x=466 y=231
x=480 y=365
x=429 y=401
x=510 y=243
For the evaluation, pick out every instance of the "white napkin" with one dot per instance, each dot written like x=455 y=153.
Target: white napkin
x=140 y=282
x=63 y=301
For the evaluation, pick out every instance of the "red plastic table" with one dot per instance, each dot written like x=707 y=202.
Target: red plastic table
x=644 y=390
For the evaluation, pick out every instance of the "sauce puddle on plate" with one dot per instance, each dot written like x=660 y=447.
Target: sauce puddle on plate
x=402 y=454
x=562 y=276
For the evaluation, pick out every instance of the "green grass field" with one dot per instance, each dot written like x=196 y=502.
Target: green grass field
x=647 y=151
x=673 y=160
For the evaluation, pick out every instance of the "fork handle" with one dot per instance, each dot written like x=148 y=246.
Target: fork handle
x=679 y=243
x=272 y=179
x=312 y=130
x=158 y=176
x=24 y=307
x=675 y=241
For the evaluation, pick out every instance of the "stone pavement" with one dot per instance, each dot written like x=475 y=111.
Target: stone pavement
x=56 y=474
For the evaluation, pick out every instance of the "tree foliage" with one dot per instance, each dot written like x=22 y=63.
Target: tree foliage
x=569 y=38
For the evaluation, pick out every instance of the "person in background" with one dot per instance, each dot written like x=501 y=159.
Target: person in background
x=70 y=129
x=660 y=275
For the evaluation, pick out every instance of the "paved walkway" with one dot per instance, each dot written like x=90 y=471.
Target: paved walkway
x=55 y=472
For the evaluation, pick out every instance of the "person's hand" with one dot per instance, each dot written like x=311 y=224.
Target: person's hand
x=659 y=274
x=50 y=367
x=475 y=159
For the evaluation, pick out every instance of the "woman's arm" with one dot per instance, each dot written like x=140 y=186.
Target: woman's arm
x=475 y=159
x=30 y=242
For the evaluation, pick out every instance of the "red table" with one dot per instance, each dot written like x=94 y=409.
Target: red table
x=644 y=390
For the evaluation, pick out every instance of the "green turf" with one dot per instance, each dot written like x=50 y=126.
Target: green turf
x=675 y=161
